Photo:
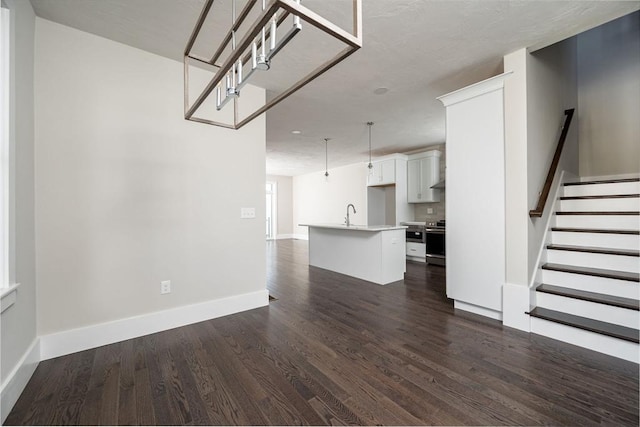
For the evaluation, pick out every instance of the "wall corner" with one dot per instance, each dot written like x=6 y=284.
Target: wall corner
x=515 y=305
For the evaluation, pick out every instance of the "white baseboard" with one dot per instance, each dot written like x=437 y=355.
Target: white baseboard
x=515 y=303
x=17 y=380
x=618 y=176
x=285 y=236
x=301 y=236
x=476 y=309
x=74 y=340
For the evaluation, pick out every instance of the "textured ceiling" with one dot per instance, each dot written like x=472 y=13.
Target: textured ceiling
x=418 y=49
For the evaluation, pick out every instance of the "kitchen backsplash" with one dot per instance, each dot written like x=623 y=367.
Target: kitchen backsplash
x=438 y=208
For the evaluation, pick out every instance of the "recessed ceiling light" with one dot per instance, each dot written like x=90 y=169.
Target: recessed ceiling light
x=296 y=132
x=381 y=90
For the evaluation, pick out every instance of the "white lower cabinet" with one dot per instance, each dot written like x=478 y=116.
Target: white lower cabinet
x=417 y=250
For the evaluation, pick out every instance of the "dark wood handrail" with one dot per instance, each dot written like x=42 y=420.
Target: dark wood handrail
x=544 y=194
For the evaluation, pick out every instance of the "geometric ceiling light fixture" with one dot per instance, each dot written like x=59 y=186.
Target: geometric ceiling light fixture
x=236 y=60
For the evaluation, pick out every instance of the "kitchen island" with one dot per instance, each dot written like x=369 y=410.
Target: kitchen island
x=373 y=253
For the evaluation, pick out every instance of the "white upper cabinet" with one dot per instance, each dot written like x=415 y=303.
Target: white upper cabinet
x=423 y=171
x=383 y=172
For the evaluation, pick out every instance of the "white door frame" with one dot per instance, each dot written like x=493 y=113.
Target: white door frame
x=273 y=215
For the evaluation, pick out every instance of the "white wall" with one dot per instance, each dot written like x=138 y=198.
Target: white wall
x=541 y=87
x=19 y=321
x=128 y=193
x=285 y=204
x=515 y=151
x=551 y=89
x=317 y=199
x=609 y=98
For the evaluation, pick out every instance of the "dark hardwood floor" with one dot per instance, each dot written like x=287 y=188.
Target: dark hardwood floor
x=335 y=350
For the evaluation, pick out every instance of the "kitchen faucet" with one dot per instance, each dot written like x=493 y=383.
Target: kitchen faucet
x=347 y=218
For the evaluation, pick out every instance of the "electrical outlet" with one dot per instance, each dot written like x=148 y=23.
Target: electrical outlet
x=429 y=210
x=247 y=213
x=165 y=287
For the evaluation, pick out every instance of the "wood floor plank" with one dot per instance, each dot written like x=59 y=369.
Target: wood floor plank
x=271 y=376
x=159 y=395
x=127 y=412
x=243 y=391
x=145 y=414
x=335 y=350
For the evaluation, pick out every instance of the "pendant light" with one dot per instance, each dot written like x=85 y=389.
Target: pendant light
x=326 y=157
x=370 y=165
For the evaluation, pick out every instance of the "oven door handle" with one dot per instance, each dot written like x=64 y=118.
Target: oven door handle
x=435 y=231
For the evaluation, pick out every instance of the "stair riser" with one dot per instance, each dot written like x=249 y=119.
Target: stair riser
x=591 y=310
x=604 y=222
x=602 y=205
x=586 y=259
x=601 y=240
x=602 y=189
x=601 y=343
x=601 y=285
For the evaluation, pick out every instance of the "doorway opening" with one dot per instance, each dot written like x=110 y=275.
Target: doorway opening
x=272 y=210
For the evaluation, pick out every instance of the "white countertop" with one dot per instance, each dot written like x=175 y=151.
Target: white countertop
x=423 y=223
x=370 y=228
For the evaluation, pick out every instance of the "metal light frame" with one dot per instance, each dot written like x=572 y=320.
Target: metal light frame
x=353 y=42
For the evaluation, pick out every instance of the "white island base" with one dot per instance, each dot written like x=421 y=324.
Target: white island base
x=373 y=253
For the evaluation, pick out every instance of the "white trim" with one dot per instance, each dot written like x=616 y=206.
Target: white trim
x=474 y=90
x=5 y=162
x=273 y=232
x=285 y=236
x=476 y=309
x=71 y=341
x=606 y=177
x=18 y=378
x=8 y=289
x=8 y=296
x=535 y=278
x=515 y=303
x=301 y=236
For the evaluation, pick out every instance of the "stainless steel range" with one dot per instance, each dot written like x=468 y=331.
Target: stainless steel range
x=435 y=242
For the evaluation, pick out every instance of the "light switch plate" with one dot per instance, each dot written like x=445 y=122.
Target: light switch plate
x=247 y=213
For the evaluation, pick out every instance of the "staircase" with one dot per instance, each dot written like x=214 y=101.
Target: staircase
x=590 y=290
